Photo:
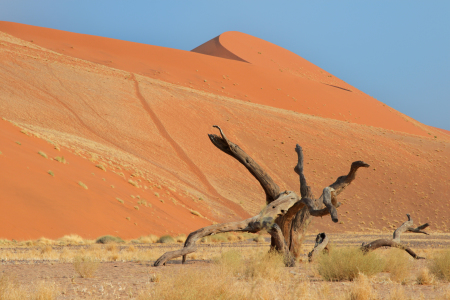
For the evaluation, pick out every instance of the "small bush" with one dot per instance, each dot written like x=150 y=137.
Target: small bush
x=259 y=239
x=149 y=239
x=82 y=185
x=42 y=154
x=398 y=265
x=136 y=207
x=72 y=239
x=60 y=159
x=424 y=277
x=101 y=167
x=347 y=263
x=120 y=200
x=106 y=239
x=51 y=173
x=361 y=289
x=85 y=266
x=196 y=213
x=133 y=183
x=166 y=239
x=440 y=265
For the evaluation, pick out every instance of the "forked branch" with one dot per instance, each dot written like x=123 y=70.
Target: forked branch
x=395 y=242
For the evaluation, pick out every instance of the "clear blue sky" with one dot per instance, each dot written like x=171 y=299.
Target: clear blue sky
x=395 y=51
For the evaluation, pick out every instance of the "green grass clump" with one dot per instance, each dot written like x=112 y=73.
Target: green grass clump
x=136 y=207
x=166 y=239
x=106 y=239
x=82 y=185
x=18 y=143
x=440 y=265
x=346 y=263
x=51 y=173
x=42 y=154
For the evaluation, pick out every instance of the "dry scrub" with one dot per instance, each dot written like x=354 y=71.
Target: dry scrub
x=85 y=266
x=440 y=265
x=398 y=264
x=11 y=290
x=346 y=263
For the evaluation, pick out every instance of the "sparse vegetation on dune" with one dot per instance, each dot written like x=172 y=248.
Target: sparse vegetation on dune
x=42 y=154
x=82 y=185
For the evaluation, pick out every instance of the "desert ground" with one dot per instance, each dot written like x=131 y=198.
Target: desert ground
x=125 y=271
x=107 y=137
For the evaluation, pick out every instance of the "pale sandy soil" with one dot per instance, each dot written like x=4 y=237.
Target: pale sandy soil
x=126 y=279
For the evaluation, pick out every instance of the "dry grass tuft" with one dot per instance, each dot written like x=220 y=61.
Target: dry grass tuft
x=166 y=239
x=149 y=239
x=42 y=154
x=440 y=265
x=397 y=294
x=346 y=263
x=398 y=264
x=73 y=239
x=82 y=185
x=11 y=290
x=101 y=167
x=85 y=266
x=60 y=159
x=106 y=239
x=424 y=277
x=362 y=289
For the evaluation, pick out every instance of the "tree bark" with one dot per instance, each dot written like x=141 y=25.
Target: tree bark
x=286 y=216
x=295 y=223
x=395 y=242
x=321 y=244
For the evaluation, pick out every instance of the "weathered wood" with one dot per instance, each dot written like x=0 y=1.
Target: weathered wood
x=388 y=243
x=294 y=227
x=265 y=220
x=270 y=187
x=286 y=216
x=321 y=244
x=395 y=242
x=407 y=227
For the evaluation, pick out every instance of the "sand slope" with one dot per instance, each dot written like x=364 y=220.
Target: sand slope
x=155 y=132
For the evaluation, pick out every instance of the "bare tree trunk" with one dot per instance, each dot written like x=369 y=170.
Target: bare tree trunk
x=286 y=216
x=295 y=227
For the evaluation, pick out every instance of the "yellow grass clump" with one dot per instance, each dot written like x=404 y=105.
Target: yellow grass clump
x=345 y=264
x=440 y=265
x=361 y=289
x=398 y=264
x=85 y=266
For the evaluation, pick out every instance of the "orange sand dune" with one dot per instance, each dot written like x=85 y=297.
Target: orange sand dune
x=155 y=133
x=274 y=76
x=35 y=203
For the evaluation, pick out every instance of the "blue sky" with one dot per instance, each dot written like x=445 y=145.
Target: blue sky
x=395 y=51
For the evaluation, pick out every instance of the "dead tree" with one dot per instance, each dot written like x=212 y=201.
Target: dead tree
x=395 y=242
x=286 y=216
x=321 y=246
x=322 y=240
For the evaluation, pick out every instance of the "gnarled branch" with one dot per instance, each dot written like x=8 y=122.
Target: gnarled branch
x=270 y=187
x=395 y=242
